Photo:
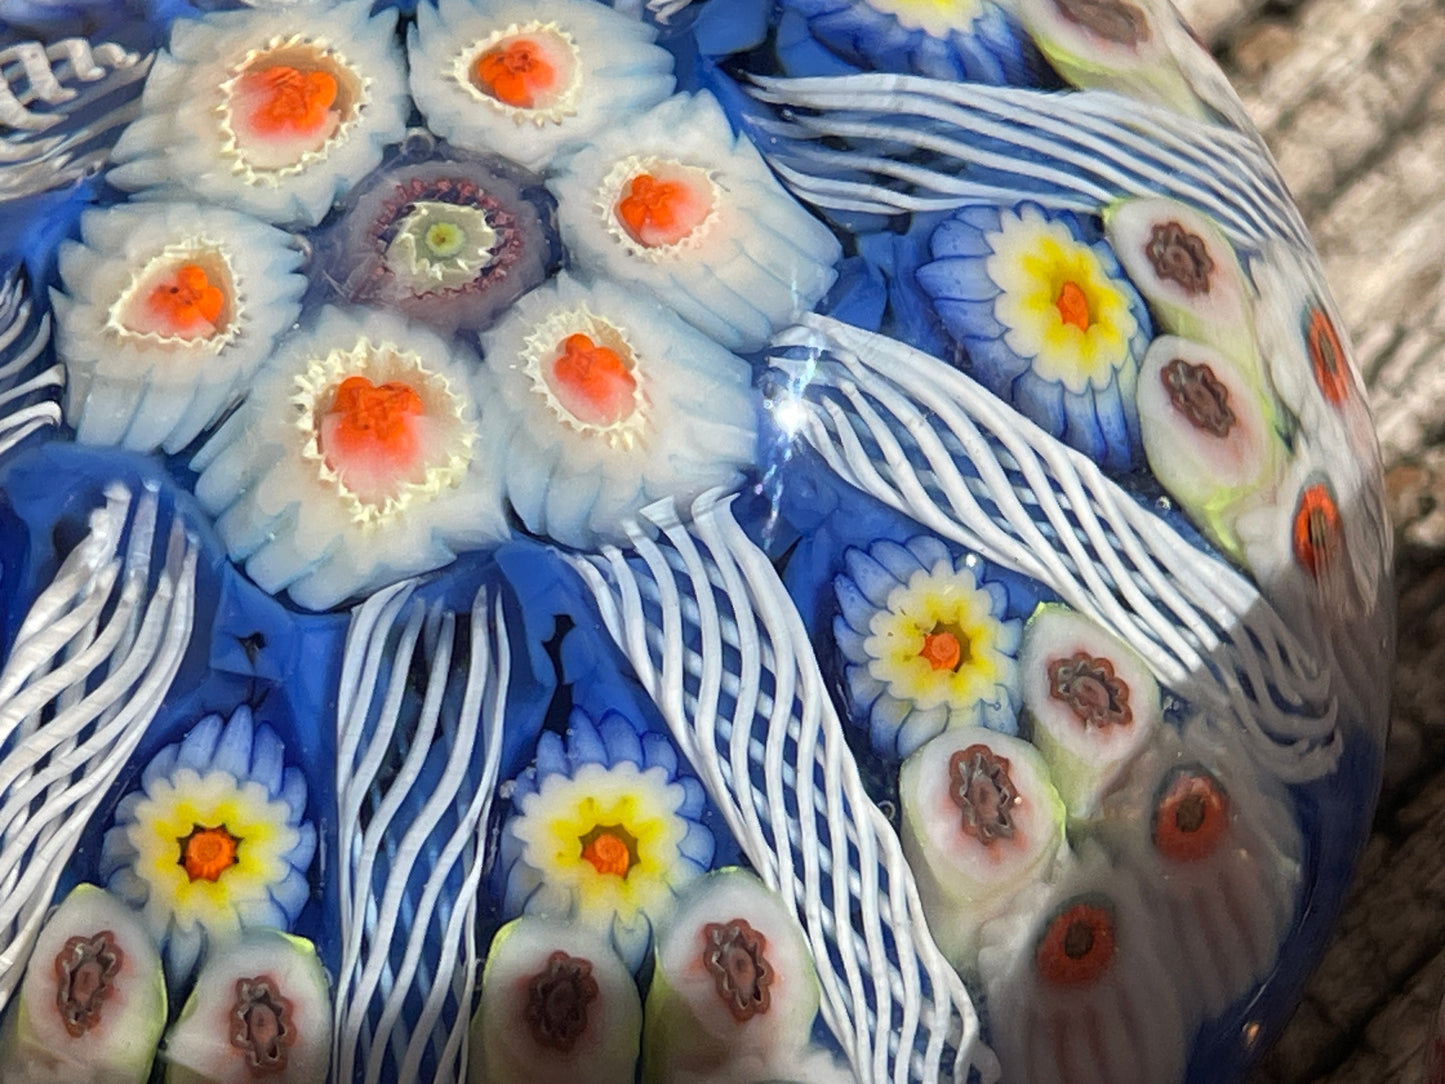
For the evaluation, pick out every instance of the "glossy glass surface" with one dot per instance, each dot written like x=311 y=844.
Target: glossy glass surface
x=728 y=541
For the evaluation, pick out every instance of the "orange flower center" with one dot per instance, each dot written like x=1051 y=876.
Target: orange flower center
x=1073 y=306
x=288 y=102
x=208 y=852
x=1077 y=949
x=1327 y=357
x=942 y=649
x=516 y=73
x=657 y=211
x=610 y=849
x=593 y=381
x=374 y=420
x=187 y=303
x=650 y=203
x=1316 y=530
x=1190 y=817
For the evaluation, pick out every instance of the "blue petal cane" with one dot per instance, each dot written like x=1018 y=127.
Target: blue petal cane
x=89 y=668
x=29 y=387
x=61 y=105
x=713 y=637
x=415 y=781
x=930 y=442
x=1067 y=152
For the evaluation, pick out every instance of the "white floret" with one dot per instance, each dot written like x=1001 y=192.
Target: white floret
x=281 y=508
x=143 y=392
x=758 y=262
x=694 y=428
x=620 y=72
x=181 y=143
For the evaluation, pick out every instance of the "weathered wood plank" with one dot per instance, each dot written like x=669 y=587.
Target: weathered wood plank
x=1350 y=95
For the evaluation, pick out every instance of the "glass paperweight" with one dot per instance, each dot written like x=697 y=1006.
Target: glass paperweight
x=735 y=540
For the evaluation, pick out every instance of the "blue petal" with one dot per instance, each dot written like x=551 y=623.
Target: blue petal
x=161 y=766
x=233 y=749
x=984 y=217
x=1082 y=430
x=997 y=598
x=698 y=845
x=584 y=743
x=917 y=728
x=1008 y=635
x=960 y=237
x=898 y=560
x=658 y=752
x=990 y=49
x=183 y=949
x=631 y=941
x=997 y=367
x=290 y=895
x=929 y=552
x=872 y=579
x=129 y=887
x=885 y=720
x=551 y=759
x=958 y=278
x=850 y=643
x=857 y=610
x=293 y=793
x=198 y=751
x=864 y=689
x=116 y=852
x=304 y=851
x=622 y=740
x=1041 y=401
x=268 y=760
x=971 y=322
x=1001 y=715
x=1114 y=426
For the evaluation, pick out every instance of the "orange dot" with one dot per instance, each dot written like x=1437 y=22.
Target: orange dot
x=1316 y=533
x=373 y=419
x=1077 y=947
x=941 y=650
x=593 y=381
x=654 y=211
x=1190 y=817
x=1327 y=357
x=187 y=303
x=607 y=851
x=208 y=852
x=516 y=72
x=284 y=101
x=1073 y=306
x=650 y=204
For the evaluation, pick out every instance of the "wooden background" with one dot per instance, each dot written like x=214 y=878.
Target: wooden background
x=1350 y=95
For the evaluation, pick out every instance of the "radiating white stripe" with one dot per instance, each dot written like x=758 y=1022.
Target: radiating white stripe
x=386 y=918
x=1088 y=147
x=927 y=440
x=24 y=335
x=59 y=107
x=75 y=704
x=705 y=621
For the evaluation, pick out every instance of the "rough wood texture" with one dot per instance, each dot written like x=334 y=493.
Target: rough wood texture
x=1350 y=95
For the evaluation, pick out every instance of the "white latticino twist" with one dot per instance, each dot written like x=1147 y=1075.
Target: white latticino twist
x=1068 y=152
x=89 y=668
x=930 y=442
x=60 y=105
x=715 y=640
x=29 y=389
x=415 y=781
